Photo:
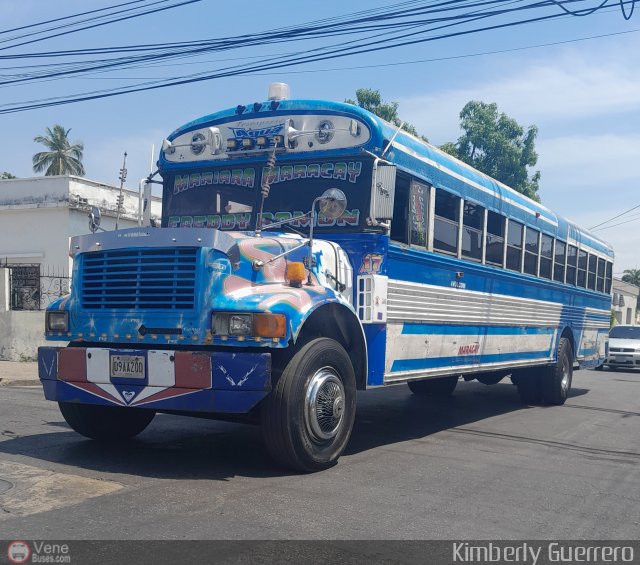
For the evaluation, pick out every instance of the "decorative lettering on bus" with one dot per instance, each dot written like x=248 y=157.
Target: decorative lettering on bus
x=241 y=221
x=471 y=349
x=348 y=171
x=230 y=177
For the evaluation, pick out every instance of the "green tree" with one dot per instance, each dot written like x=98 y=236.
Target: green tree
x=371 y=100
x=62 y=157
x=497 y=145
x=5 y=175
x=631 y=276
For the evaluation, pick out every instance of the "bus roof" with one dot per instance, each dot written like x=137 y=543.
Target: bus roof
x=421 y=159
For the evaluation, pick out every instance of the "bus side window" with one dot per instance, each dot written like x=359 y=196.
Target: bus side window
x=559 y=260
x=418 y=208
x=495 y=238
x=607 y=285
x=446 y=222
x=531 y=249
x=593 y=262
x=572 y=263
x=399 y=224
x=472 y=229
x=600 y=279
x=514 y=246
x=582 y=268
x=546 y=255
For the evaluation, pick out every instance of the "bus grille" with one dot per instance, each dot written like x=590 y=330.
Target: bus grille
x=158 y=279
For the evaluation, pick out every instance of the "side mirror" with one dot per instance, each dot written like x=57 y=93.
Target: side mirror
x=383 y=193
x=94 y=219
x=332 y=203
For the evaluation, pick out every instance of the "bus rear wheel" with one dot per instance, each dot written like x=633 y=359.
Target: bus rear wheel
x=556 y=380
x=308 y=416
x=106 y=423
x=434 y=387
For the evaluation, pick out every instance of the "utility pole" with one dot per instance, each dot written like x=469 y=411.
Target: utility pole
x=122 y=177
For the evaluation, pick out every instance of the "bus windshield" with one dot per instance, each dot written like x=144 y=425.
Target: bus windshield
x=226 y=198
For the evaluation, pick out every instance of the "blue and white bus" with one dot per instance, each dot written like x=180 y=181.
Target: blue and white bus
x=309 y=249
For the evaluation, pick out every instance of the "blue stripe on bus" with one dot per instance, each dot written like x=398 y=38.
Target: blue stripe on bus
x=439 y=362
x=439 y=329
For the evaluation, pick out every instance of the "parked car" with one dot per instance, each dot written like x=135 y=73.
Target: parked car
x=624 y=347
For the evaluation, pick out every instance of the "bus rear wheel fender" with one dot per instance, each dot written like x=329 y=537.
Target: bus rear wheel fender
x=308 y=416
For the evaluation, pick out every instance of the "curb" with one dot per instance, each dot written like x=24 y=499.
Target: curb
x=19 y=382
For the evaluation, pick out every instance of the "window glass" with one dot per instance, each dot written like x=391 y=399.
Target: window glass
x=591 y=281
x=546 y=254
x=572 y=261
x=600 y=277
x=609 y=273
x=418 y=204
x=514 y=245
x=472 y=226
x=582 y=268
x=531 y=252
x=495 y=238
x=515 y=234
x=446 y=221
x=558 y=268
x=399 y=223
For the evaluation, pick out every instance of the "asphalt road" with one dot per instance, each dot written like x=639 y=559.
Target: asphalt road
x=479 y=465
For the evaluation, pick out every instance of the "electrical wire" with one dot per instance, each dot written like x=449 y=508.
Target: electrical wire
x=404 y=33
x=614 y=218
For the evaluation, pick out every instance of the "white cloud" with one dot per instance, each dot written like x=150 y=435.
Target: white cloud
x=575 y=85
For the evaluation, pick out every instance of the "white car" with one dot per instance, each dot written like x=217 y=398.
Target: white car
x=624 y=347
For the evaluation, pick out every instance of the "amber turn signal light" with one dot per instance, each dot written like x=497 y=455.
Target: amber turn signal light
x=270 y=325
x=295 y=274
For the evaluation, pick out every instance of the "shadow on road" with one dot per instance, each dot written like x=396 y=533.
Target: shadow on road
x=176 y=447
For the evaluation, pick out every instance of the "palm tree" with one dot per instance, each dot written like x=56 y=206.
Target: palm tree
x=63 y=158
x=632 y=276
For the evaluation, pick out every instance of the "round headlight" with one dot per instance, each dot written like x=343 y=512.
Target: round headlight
x=325 y=131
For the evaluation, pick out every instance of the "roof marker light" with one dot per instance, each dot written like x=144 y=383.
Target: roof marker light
x=279 y=91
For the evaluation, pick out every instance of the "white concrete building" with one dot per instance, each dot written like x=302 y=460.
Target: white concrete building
x=623 y=301
x=37 y=217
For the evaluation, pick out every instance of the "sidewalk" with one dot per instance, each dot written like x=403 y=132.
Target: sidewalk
x=15 y=373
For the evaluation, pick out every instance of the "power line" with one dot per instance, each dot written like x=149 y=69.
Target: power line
x=336 y=26
x=615 y=217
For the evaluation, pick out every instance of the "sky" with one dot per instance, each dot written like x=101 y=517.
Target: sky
x=582 y=94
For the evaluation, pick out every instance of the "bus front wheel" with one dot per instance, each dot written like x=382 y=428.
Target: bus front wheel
x=106 y=423
x=434 y=387
x=308 y=416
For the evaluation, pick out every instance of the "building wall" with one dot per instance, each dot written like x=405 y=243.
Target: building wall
x=37 y=218
x=623 y=301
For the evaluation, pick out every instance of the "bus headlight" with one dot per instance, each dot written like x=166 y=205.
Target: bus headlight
x=57 y=321
x=256 y=325
x=240 y=324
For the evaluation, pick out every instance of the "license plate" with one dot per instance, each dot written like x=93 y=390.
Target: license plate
x=127 y=366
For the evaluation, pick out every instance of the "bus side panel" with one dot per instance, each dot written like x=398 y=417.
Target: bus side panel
x=449 y=316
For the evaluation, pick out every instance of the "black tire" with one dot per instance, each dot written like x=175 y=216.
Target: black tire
x=308 y=416
x=556 y=380
x=106 y=423
x=528 y=383
x=490 y=378
x=434 y=387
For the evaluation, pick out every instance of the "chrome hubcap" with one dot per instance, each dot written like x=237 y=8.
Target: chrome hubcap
x=324 y=405
x=566 y=376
